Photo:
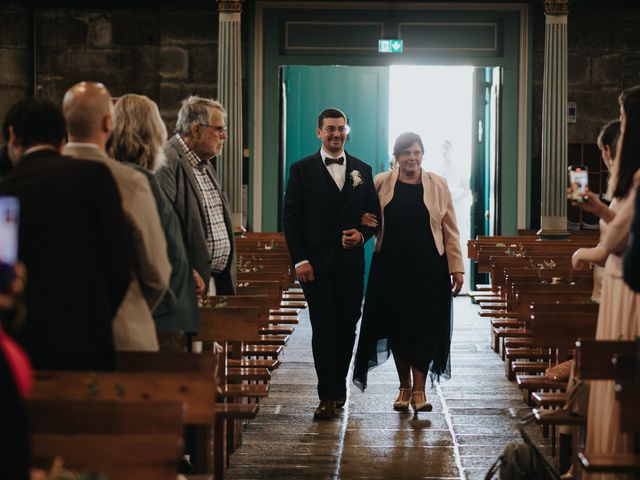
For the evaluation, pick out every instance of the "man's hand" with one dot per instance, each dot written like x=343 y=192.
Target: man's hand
x=458 y=280
x=351 y=238
x=369 y=220
x=305 y=273
x=200 y=286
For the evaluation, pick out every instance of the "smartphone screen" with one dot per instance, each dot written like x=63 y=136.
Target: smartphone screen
x=578 y=183
x=9 y=223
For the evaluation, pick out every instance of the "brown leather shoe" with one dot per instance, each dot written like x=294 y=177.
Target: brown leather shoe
x=340 y=401
x=325 y=411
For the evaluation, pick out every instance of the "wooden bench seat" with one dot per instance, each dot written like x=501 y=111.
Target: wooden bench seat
x=558 y=417
x=610 y=463
x=248 y=373
x=244 y=390
x=268 y=363
x=125 y=440
x=531 y=383
x=283 y=320
x=548 y=399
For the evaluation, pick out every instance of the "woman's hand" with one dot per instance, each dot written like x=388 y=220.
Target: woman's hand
x=457 y=280
x=591 y=202
x=578 y=261
x=369 y=220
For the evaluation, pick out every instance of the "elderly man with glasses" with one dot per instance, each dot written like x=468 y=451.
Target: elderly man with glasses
x=190 y=181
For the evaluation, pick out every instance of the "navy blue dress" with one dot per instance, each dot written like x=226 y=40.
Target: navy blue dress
x=408 y=304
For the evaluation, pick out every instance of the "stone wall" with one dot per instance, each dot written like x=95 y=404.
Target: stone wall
x=603 y=59
x=166 y=52
x=16 y=70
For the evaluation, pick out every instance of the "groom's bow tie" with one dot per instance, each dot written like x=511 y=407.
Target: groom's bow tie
x=328 y=161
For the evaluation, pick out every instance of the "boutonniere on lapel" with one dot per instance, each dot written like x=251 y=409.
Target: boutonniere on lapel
x=356 y=178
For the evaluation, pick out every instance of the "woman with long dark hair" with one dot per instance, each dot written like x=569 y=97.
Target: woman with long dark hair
x=619 y=313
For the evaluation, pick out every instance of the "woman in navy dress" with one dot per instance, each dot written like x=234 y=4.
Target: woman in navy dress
x=416 y=267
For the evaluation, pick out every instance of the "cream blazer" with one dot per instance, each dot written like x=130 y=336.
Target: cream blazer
x=133 y=327
x=437 y=199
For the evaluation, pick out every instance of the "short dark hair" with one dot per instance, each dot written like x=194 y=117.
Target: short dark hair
x=330 y=113
x=608 y=136
x=404 y=141
x=35 y=121
x=628 y=158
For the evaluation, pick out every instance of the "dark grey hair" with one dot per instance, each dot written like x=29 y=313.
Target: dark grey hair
x=196 y=109
x=405 y=140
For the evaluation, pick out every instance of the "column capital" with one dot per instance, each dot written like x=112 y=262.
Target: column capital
x=229 y=6
x=556 y=7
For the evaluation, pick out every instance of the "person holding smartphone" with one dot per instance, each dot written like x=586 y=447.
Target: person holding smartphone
x=596 y=256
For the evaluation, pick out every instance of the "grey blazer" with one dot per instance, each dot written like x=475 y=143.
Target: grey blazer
x=178 y=182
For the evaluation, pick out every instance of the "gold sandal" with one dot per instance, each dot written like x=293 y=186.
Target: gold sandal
x=419 y=403
x=401 y=403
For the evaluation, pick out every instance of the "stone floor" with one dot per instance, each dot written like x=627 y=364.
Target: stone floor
x=472 y=420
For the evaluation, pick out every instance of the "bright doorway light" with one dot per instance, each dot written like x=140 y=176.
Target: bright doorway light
x=436 y=103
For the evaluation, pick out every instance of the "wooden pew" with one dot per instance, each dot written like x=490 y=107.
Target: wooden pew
x=232 y=325
x=123 y=439
x=261 y=302
x=524 y=298
x=197 y=391
x=613 y=360
x=225 y=326
x=558 y=333
x=206 y=459
x=473 y=246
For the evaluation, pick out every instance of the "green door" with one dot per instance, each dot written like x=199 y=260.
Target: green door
x=362 y=93
x=485 y=177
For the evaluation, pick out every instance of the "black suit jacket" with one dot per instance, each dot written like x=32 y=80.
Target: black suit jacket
x=76 y=247
x=632 y=256
x=315 y=216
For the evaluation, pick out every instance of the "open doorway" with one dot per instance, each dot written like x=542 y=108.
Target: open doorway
x=449 y=106
x=437 y=103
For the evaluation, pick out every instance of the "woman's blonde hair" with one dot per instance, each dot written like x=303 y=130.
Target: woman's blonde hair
x=139 y=133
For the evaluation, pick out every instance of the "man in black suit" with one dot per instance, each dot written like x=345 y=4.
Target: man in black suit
x=325 y=198
x=73 y=241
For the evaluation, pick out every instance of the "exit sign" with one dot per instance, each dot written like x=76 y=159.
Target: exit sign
x=390 y=46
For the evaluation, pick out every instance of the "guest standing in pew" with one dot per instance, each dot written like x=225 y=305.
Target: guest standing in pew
x=190 y=181
x=416 y=267
x=73 y=240
x=597 y=256
x=88 y=111
x=138 y=138
x=592 y=257
x=632 y=256
x=619 y=313
x=326 y=195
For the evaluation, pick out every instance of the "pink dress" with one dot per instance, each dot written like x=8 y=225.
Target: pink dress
x=618 y=319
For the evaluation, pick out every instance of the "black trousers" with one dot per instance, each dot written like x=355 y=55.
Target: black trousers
x=335 y=300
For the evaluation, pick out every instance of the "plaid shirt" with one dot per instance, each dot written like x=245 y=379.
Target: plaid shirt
x=215 y=228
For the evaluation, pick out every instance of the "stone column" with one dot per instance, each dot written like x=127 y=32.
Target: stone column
x=230 y=95
x=553 y=221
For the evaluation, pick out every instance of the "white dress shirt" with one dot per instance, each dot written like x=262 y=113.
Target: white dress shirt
x=337 y=171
